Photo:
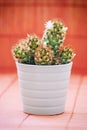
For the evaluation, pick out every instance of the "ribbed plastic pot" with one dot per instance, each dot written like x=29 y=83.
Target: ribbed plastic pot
x=43 y=88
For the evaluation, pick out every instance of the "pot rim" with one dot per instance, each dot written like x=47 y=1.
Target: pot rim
x=23 y=64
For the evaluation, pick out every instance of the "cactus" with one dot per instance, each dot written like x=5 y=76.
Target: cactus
x=20 y=52
x=47 y=51
x=25 y=49
x=56 y=60
x=54 y=34
x=43 y=55
x=32 y=42
x=66 y=55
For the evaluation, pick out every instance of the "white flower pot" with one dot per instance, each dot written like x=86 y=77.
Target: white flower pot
x=44 y=88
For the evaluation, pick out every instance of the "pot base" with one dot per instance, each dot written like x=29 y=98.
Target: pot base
x=43 y=110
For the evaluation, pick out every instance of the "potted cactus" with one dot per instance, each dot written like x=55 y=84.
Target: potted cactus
x=44 y=67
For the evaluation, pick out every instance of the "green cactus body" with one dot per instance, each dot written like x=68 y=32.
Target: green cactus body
x=66 y=55
x=51 y=52
x=43 y=55
x=54 y=35
x=32 y=43
x=21 y=52
x=25 y=49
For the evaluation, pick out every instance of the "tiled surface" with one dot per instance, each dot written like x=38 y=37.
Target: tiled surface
x=13 y=118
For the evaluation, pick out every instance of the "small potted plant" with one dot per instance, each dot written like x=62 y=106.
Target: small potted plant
x=44 y=67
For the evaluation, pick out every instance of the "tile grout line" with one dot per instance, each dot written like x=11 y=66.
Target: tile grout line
x=76 y=97
x=22 y=121
x=5 y=90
